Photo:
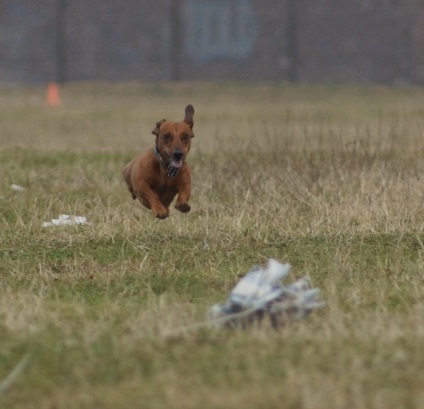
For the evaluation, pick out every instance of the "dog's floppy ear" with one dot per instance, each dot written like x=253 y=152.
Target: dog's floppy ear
x=188 y=117
x=156 y=129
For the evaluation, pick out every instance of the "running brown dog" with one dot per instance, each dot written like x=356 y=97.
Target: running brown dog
x=156 y=177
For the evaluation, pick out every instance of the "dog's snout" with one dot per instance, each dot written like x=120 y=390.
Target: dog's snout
x=177 y=154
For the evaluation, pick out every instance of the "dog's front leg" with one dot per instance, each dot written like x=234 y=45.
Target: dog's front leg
x=183 y=197
x=150 y=199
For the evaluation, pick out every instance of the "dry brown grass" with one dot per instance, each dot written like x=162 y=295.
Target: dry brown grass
x=328 y=179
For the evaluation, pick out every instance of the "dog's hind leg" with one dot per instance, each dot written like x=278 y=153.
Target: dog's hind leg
x=126 y=173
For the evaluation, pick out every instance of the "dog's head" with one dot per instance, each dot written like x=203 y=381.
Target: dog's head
x=173 y=139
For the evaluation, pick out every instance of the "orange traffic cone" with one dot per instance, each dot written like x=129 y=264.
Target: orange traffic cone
x=53 y=97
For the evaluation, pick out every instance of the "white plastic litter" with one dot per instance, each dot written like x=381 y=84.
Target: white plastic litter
x=17 y=187
x=66 y=220
x=261 y=293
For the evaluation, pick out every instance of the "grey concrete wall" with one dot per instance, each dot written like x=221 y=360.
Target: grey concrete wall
x=249 y=40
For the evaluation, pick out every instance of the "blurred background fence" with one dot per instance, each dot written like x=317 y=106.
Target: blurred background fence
x=333 y=41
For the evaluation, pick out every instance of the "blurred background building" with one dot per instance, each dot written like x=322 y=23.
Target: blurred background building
x=328 y=41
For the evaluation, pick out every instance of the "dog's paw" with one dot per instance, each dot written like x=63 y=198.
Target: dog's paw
x=161 y=212
x=183 y=207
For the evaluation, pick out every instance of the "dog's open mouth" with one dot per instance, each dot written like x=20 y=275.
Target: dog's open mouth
x=176 y=163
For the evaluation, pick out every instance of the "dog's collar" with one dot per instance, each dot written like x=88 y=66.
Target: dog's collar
x=172 y=170
x=157 y=154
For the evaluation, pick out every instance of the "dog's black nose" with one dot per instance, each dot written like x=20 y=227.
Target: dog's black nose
x=177 y=155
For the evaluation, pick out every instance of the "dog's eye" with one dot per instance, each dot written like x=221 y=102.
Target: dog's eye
x=167 y=137
x=185 y=138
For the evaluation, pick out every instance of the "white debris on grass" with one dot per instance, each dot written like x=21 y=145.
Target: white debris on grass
x=261 y=293
x=66 y=220
x=17 y=187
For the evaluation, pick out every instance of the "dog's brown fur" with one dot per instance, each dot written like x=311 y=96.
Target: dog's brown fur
x=148 y=175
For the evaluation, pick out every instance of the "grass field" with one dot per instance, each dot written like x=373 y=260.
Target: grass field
x=329 y=179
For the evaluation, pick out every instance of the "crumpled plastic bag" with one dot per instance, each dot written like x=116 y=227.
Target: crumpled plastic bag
x=261 y=293
x=17 y=188
x=66 y=220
